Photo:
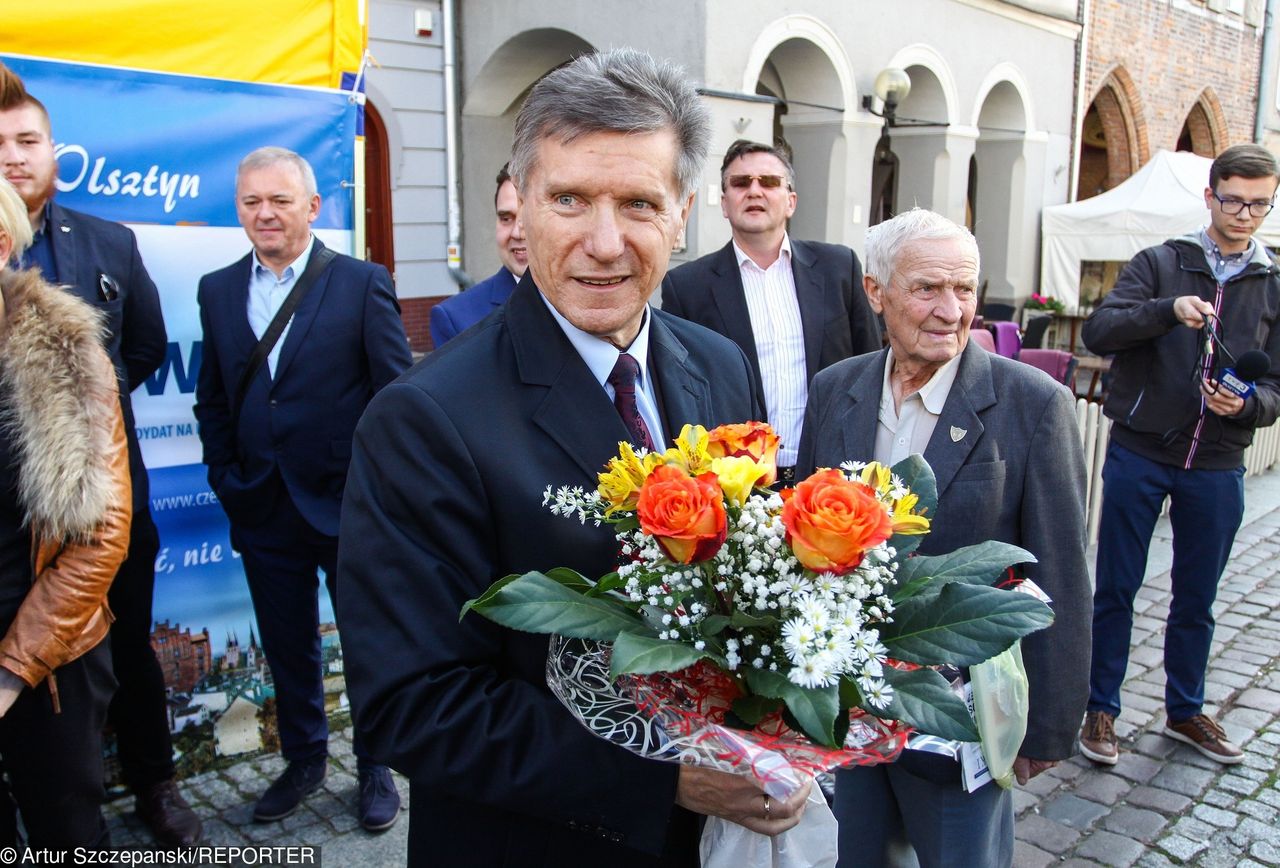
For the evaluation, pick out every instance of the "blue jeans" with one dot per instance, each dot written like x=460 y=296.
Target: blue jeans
x=1206 y=509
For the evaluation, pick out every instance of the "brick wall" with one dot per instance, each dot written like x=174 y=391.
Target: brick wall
x=1172 y=50
x=416 y=313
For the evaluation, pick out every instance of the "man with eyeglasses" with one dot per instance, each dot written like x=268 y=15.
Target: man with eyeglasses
x=1180 y=314
x=794 y=307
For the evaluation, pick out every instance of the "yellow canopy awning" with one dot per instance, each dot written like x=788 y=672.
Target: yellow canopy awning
x=304 y=42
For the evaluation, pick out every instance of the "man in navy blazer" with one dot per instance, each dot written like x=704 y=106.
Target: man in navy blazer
x=1002 y=440
x=278 y=462
x=98 y=261
x=462 y=311
x=795 y=307
x=446 y=487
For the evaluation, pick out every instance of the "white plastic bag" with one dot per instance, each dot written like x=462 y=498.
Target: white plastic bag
x=1000 y=703
x=810 y=844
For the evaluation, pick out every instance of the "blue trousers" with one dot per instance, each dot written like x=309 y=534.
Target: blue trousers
x=1205 y=511
x=281 y=558
x=917 y=806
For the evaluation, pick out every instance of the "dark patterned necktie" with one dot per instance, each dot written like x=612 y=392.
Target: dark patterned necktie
x=623 y=380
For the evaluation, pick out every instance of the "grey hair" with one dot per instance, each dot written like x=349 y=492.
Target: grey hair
x=617 y=91
x=14 y=221
x=886 y=240
x=270 y=156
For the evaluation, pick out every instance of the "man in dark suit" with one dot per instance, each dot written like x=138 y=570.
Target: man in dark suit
x=98 y=261
x=795 y=307
x=278 y=459
x=447 y=481
x=1002 y=439
x=462 y=311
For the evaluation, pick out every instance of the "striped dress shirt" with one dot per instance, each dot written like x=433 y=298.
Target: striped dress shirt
x=779 y=336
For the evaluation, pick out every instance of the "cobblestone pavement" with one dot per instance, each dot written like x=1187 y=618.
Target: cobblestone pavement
x=1162 y=804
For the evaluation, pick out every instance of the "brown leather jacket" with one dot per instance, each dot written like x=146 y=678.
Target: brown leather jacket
x=66 y=429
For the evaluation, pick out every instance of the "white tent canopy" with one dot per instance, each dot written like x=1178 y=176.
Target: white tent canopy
x=1163 y=199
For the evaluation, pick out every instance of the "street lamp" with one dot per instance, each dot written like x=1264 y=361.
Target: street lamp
x=891 y=86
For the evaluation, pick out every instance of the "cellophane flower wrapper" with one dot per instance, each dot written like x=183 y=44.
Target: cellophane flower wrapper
x=680 y=717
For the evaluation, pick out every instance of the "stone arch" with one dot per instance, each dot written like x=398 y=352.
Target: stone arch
x=801 y=62
x=516 y=65
x=1005 y=211
x=933 y=87
x=1204 y=132
x=491 y=99
x=1114 y=141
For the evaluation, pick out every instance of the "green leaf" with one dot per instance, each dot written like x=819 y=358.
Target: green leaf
x=536 y=603
x=713 y=625
x=917 y=475
x=924 y=699
x=814 y=708
x=961 y=624
x=742 y=620
x=570 y=579
x=979 y=564
x=611 y=582
x=489 y=594
x=643 y=655
x=753 y=709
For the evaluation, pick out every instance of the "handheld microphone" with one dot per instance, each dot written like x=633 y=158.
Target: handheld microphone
x=1239 y=378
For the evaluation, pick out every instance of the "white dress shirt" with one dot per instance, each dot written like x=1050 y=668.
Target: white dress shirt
x=902 y=433
x=779 y=336
x=267 y=292
x=600 y=357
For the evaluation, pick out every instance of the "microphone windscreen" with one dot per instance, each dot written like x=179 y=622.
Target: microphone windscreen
x=1252 y=365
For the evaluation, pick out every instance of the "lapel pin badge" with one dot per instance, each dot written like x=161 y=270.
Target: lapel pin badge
x=957 y=434
x=65 y=228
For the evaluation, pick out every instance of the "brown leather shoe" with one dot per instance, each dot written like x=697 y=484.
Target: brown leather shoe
x=1098 y=738
x=1203 y=733
x=167 y=814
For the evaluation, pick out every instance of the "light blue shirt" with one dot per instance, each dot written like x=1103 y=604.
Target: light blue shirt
x=267 y=292
x=600 y=357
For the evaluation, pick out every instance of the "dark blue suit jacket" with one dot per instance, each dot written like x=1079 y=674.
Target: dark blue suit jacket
x=455 y=315
x=85 y=248
x=835 y=316
x=444 y=497
x=345 y=343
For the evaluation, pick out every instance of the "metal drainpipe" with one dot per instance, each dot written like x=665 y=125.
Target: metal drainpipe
x=453 y=206
x=1266 y=72
x=1081 y=106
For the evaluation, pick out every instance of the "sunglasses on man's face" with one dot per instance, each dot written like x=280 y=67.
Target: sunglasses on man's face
x=769 y=182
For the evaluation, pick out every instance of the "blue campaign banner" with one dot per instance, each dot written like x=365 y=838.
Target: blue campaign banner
x=159 y=152
x=146 y=147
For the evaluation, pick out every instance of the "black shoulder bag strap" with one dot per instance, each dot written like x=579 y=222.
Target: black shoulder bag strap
x=320 y=258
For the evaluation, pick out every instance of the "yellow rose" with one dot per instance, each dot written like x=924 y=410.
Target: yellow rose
x=623 y=475
x=738 y=475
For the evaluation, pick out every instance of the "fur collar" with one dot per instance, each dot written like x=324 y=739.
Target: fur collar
x=57 y=392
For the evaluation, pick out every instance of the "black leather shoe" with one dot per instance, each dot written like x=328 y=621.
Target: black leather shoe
x=283 y=797
x=379 y=802
x=166 y=813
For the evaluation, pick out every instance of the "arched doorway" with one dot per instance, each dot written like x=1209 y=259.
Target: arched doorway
x=808 y=117
x=379 y=237
x=493 y=97
x=1113 y=141
x=1004 y=208
x=1204 y=131
x=932 y=151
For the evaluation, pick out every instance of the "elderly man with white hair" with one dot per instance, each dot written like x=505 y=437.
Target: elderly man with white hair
x=1002 y=439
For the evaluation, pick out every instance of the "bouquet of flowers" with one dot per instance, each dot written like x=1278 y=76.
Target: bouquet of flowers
x=1045 y=302
x=776 y=634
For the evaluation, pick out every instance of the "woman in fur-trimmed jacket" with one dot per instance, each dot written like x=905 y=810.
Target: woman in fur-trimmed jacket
x=64 y=530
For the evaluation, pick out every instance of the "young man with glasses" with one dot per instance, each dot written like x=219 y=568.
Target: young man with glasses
x=794 y=307
x=1180 y=314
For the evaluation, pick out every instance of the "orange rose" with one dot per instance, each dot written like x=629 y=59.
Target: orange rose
x=755 y=440
x=832 y=522
x=683 y=513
